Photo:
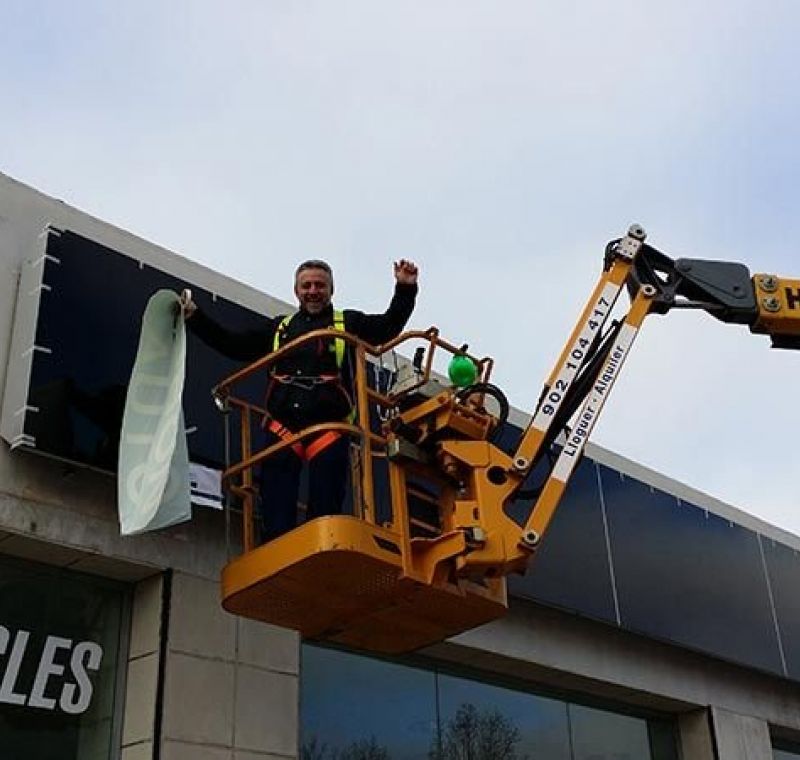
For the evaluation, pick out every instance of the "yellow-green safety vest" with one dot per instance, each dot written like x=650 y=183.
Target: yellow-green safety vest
x=338 y=343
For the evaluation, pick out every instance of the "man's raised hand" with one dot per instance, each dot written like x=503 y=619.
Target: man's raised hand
x=405 y=272
x=186 y=304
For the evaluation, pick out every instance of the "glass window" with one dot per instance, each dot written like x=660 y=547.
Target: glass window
x=59 y=650
x=478 y=720
x=358 y=708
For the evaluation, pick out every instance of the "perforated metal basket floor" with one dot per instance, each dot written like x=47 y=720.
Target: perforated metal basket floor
x=340 y=579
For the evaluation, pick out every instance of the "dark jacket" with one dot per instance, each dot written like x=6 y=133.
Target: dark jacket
x=298 y=405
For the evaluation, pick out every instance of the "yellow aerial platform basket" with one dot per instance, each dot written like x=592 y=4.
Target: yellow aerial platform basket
x=384 y=586
x=340 y=579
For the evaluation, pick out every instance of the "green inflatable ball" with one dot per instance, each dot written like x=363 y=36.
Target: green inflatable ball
x=462 y=371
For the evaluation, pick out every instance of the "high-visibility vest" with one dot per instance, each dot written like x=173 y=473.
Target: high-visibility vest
x=339 y=347
x=338 y=343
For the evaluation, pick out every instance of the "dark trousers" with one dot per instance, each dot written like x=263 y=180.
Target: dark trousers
x=280 y=485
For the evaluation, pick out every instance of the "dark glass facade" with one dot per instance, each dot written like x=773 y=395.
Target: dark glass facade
x=572 y=568
x=688 y=576
x=358 y=708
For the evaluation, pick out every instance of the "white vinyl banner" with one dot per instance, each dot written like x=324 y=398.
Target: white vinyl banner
x=153 y=474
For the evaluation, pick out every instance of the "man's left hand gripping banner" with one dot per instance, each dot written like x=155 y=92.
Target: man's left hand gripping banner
x=153 y=475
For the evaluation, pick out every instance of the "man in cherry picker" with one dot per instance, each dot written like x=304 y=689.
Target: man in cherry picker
x=310 y=386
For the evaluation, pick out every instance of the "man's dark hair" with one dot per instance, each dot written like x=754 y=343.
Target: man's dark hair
x=314 y=264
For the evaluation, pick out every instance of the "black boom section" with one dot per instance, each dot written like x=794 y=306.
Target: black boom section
x=724 y=289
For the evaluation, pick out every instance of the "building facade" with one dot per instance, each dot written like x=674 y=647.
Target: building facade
x=655 y=624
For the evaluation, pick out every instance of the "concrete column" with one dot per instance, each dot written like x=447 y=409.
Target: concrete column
x=231 y=687
x=740 y=737
x=696 y=740
x=138 y=727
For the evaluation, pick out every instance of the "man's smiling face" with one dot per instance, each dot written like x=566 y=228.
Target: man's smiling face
x=313 y=288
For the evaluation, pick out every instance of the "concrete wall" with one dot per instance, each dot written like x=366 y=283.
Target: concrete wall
x=204 y=684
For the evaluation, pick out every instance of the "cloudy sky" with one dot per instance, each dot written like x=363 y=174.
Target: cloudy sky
x=498 y=143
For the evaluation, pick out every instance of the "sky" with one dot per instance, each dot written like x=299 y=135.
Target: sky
x=499 y=144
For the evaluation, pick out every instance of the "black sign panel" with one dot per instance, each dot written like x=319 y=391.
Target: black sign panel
x=89 y=321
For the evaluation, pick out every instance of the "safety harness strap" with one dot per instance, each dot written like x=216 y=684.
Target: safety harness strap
x=309 y=451
x=322 y=442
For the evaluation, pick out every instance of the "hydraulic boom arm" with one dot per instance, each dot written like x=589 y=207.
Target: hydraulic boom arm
x=487 y=479
x=589 y=365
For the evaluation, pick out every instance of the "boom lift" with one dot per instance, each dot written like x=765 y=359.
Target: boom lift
x=432 y=563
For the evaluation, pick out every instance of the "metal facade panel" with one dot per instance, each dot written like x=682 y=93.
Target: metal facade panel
x=32 y=285
x=688 y=576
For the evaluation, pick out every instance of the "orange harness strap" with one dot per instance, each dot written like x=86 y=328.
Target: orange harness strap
x=320 y=443
x=308 y=452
